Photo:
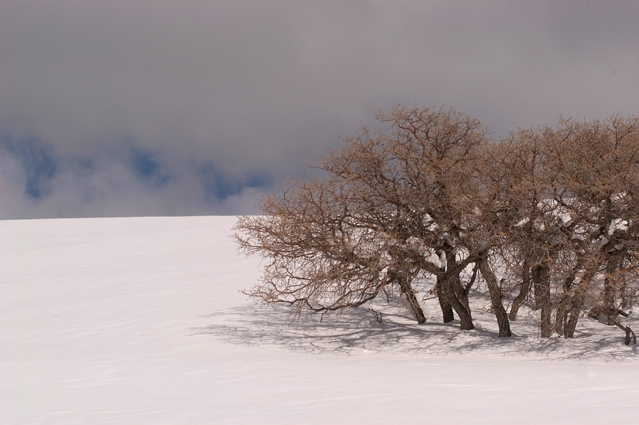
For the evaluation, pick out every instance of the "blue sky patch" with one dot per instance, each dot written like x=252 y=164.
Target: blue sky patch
x=37 y=161
x=218 y=186
x=148 y=168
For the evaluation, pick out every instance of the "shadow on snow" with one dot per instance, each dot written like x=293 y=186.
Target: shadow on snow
x=356 y=330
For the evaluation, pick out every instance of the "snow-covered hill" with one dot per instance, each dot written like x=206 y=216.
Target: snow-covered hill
x=139 y=321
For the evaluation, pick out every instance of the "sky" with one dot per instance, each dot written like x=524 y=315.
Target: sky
x=197 y=107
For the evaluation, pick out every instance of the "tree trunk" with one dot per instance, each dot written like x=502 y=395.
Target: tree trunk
x=495 y=297
x=610 y=291
x=447 y=310
x=407 y=290
x=541 y=281
x=523 y=292
x=455 y=293
x=460 y=292
x=465 y=319
x=578 y=299
x=571 y=324
x=561 y=316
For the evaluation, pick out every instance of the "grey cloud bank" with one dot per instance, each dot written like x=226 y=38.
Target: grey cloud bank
x=197 y=107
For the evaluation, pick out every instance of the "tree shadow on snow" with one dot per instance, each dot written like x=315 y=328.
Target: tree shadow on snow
x=357 y=330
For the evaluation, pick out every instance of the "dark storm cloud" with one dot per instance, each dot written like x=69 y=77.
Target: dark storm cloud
x=193 y=107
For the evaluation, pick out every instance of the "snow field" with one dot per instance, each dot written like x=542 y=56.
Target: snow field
x=139 y=321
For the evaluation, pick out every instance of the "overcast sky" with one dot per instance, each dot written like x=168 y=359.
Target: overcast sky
x=150 y=107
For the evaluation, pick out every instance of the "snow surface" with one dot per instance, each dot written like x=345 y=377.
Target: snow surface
x=139 y=321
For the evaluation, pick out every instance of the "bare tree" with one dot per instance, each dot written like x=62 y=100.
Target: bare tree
x=428 y=194
x=423 y=170
x=522 y=183
x=318 y=256
x=599 y=166
x=398 y=204
x=566 y=196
